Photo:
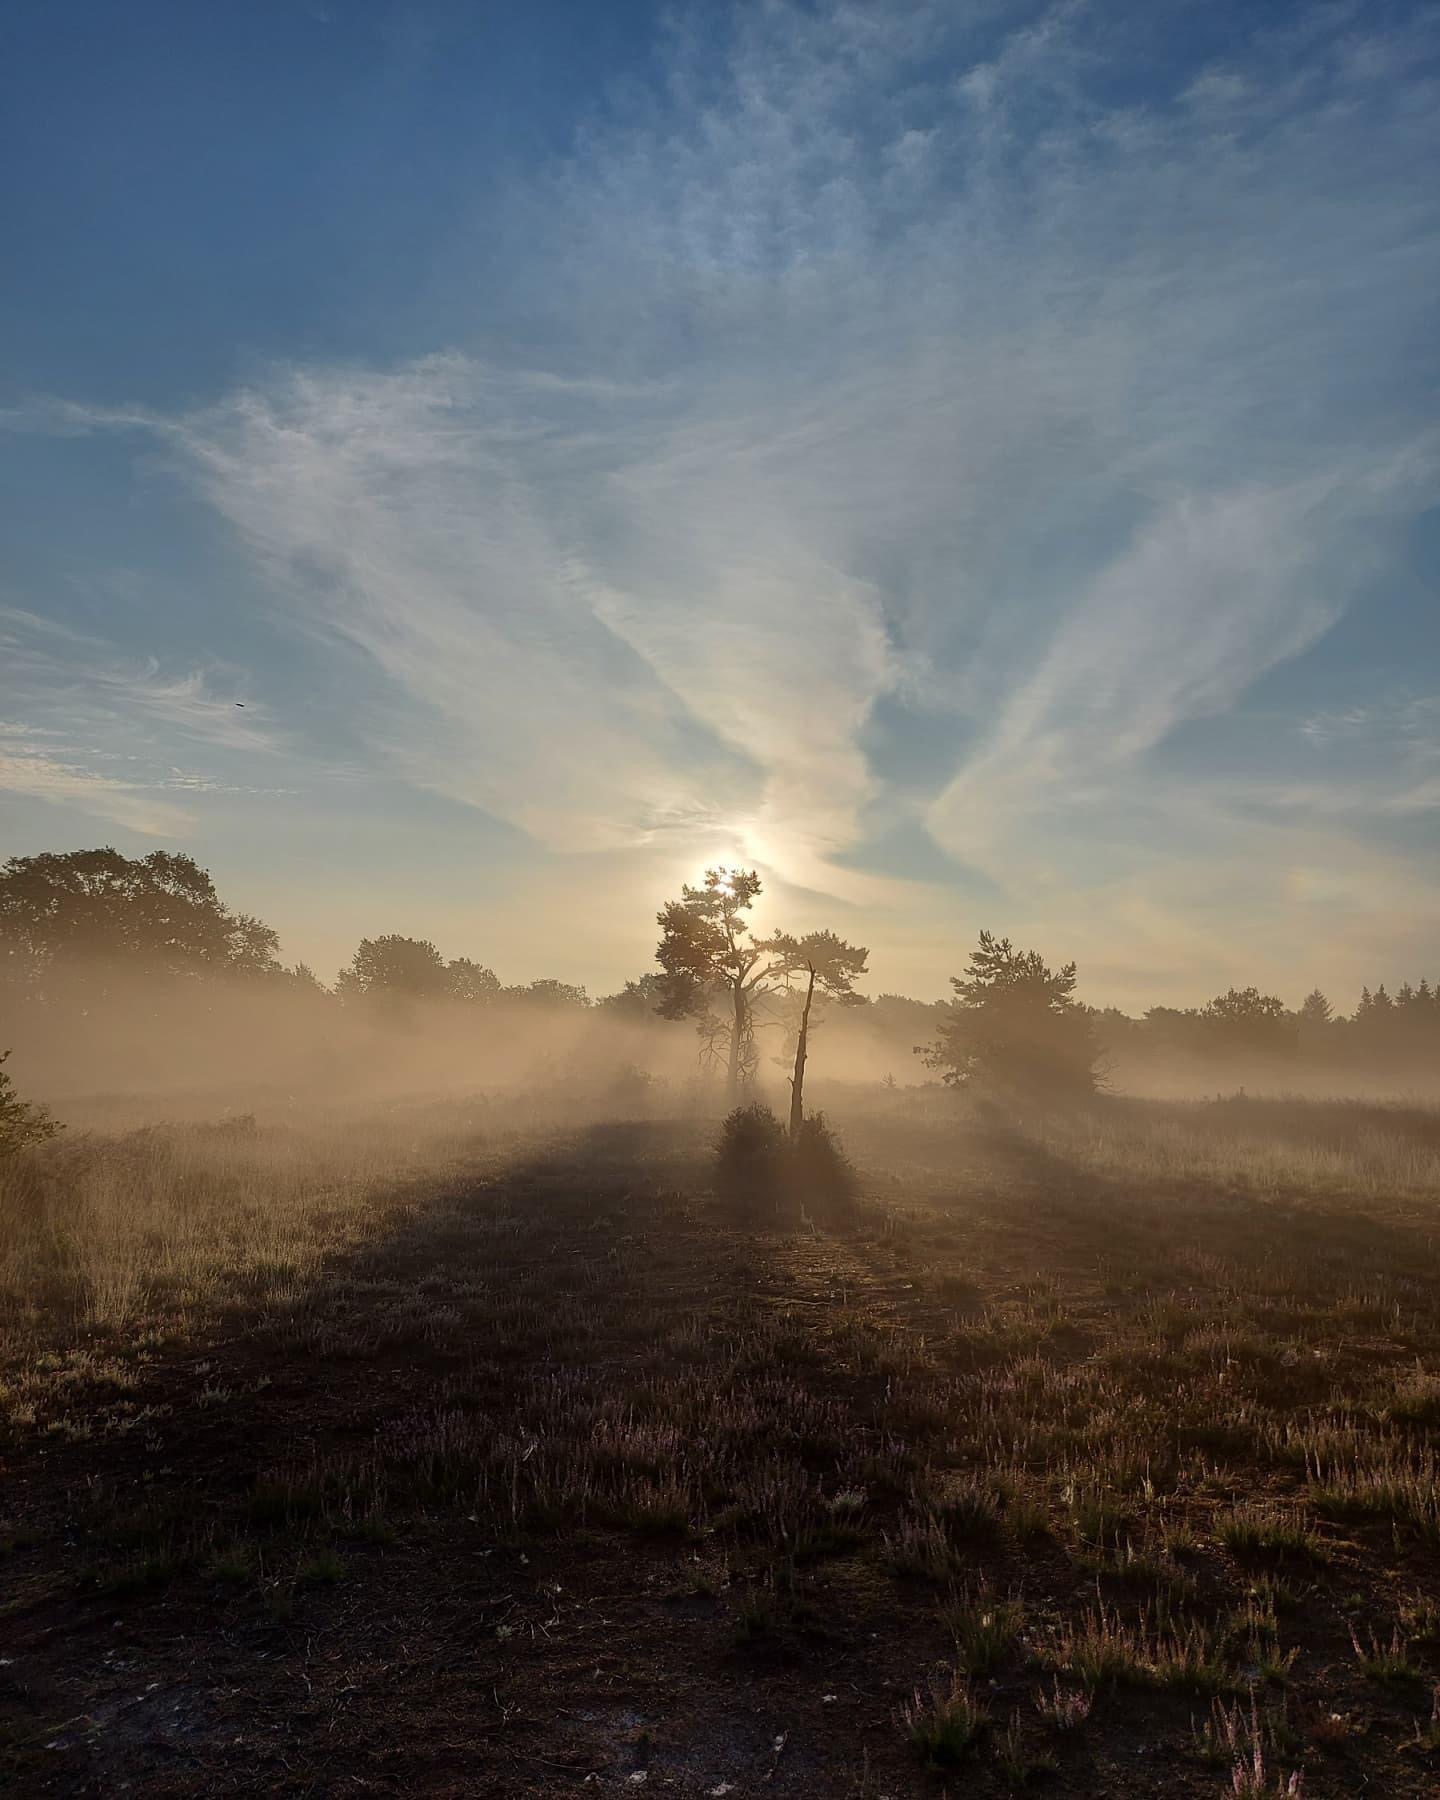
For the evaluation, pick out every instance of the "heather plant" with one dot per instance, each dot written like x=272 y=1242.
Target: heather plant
x=819 y=1173
x=750 y=1159
x=760 y=1170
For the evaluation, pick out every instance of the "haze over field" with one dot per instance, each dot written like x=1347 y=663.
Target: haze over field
x=719 y=990
x=466 y=472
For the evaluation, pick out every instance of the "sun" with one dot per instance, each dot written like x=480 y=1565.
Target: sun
x=723 y=867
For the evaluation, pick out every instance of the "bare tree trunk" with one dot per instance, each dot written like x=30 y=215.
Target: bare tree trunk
x=737 y=1038
x=797 y=1080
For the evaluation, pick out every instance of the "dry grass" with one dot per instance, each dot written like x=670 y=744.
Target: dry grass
x=108 y=1228
x=1370 y=1151
x=1105 y=1453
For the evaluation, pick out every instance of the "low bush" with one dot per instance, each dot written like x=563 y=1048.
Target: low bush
x=820 y=1174
x=762 y=1172
x=750 y=1159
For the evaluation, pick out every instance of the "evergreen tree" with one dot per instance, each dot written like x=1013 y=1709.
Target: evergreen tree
x=1015 y=1024
x=21 y=1122
x=717 y=973
x=1315 y=1010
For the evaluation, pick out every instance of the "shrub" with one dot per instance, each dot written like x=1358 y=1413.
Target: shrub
x=750 y=1158
x=822 y=1177
x=985 y=1630
x=20 y=1123
x=760 y=1170
x=944 y=1722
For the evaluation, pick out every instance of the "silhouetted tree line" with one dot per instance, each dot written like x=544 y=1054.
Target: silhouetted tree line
x=399 y=969
x=1385 y=1031
x=72 y=924
x=82 y=914
x=1016 y=1023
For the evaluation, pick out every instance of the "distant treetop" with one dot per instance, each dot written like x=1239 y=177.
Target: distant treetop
x=154 y=915
x=405 y=968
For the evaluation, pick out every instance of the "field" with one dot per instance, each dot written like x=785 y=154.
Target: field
x=456 y=1451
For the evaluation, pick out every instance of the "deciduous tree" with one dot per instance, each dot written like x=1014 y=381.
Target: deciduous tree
x=394 y=967
x=471 y=982
x=1243 y=1021
x=547 y=992
x=88 y=910
x=637 y=1000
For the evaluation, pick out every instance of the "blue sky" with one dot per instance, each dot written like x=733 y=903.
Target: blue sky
x=978 y=462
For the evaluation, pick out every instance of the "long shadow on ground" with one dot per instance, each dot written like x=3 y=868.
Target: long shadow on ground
x=569 y=1479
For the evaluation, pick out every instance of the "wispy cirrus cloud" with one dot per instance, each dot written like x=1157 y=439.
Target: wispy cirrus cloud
x=1395 y=720
x=98 y=723
x=36 y=767
x=879 y=355
x=1209 y=596
x=92 y=683
x=37 y=770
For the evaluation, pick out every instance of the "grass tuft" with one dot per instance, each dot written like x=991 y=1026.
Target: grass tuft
x=944 y=1722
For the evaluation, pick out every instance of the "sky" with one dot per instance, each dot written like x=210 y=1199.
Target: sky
x=977 y=462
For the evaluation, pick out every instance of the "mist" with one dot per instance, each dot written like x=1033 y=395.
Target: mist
x=719 y=763
x=109 y=1044
x=177 y=1050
